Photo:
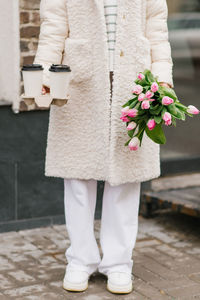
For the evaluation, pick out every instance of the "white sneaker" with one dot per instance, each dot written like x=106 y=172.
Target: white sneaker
x=76 y=281
x=119 y=282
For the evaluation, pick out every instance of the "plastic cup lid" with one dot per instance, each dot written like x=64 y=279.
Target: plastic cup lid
x=32 y=67
x=59 y=68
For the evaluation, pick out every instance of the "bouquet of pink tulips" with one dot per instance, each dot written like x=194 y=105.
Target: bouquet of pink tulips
x=151 y=107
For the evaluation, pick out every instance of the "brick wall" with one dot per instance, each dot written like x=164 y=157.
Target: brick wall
x=29 y=29
x=29 y=33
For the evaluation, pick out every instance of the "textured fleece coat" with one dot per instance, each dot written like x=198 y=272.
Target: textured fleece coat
x=86 y=137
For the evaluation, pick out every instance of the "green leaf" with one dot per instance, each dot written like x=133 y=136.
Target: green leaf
x=173 y=121
x=141 y=130
x=142 y=112
x=133 y=103
x=157 y=111
x=131 y=132
x=182 y=114
x=165 y=91
x=142 y=82
x=141 y=135
x=176 y=112
x=158 y=119
x=138 y=105
x=126 y=144
x=172 y=109
x=190 y=115
x=157 y=135
x=164 y=110
x=128 y=102
x=149 y=76
x=155 y=107
x=181 y=106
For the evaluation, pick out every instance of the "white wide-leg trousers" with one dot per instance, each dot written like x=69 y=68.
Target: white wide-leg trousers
x=119 y=225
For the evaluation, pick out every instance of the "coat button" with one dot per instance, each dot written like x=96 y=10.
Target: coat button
x=121 y=53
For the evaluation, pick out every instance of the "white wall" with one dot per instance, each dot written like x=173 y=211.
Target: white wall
x=9 y=52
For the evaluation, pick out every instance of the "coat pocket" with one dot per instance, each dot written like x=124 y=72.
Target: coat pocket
x=78 y=55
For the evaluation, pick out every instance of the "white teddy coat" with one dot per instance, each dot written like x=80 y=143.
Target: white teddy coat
x=86 y=137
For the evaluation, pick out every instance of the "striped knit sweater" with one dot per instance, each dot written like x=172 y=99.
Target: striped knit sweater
x=110 y=10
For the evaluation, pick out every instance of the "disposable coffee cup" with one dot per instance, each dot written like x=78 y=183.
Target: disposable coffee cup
x=32 y=76
x=59 y=81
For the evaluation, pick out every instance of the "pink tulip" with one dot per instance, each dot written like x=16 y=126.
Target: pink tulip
x=151 y=124
x=131 y=126
x=125 y=119
x=167 y=118
x=145 y=104
x=137 y=90
x=149 y=94
x=141 y=97
x=140 y=76
x=132 y=112
x=167 y=100
x=134 y=144
x=151 y=100
x=154 y=87
x=192 y=110
x=125 y=110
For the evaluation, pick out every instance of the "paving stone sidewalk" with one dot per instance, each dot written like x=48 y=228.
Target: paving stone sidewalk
x=166 y=262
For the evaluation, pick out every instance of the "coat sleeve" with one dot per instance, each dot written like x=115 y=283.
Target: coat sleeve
x=157 y=33
x=53 y=32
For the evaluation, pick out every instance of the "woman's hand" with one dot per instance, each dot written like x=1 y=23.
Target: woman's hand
x=45 y=90
x=165 y=84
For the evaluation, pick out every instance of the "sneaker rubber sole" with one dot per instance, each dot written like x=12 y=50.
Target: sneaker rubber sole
x=119 y=289
x=75 y=287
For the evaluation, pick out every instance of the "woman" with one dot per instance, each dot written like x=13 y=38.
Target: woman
x=106 y=43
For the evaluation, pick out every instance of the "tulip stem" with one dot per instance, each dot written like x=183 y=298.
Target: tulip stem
x=141 y=132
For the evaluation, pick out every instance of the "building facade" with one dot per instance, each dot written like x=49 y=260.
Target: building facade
x=23 y=186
